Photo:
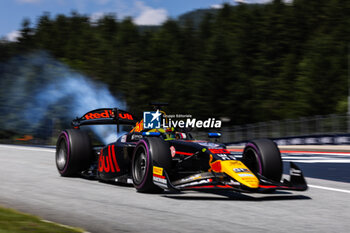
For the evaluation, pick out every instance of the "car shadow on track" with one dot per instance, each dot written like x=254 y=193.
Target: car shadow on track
x=216 y=195
x=233 y=196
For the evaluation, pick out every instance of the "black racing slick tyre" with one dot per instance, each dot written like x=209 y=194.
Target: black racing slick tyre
x=262 y=156
x=73 y=152
x=148 y=152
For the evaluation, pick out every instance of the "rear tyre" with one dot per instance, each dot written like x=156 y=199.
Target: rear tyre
x=73 y=152
x=149 y=152
x=263 y=157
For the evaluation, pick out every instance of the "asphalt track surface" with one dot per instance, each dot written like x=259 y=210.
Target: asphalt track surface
x=29 y=182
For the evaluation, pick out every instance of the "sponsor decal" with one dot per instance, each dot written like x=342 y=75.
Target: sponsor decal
x=123 y=139
x=158 y=177
x=106 y=114
x=224 y=156
x=97 y=115
x=195 y=183
x=125 y=116
x=152 y=120
x=158 y=171
x=219 y=151
x=238 y=170
x=108 y=163
x=191 y=178
x=159 y=180
x=214 y=166
x=136 y=137
x=232 y=182
x=249 y=179
x=207 y=144
x=246 y=175
x=295 y=172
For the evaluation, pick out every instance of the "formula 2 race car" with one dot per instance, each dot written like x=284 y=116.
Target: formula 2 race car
x=164 y=159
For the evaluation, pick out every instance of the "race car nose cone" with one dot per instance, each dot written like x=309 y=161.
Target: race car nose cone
x=238 y=171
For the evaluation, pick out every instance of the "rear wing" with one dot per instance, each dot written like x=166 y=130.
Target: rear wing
x=105 y=116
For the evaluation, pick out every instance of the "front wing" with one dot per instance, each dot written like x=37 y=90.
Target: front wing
x=215 y=181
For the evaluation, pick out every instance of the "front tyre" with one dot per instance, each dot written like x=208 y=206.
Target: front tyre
x=73 y=152
x=146 y=153
x=263 y=157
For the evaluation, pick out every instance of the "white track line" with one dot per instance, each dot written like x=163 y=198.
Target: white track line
x=316 y=153
x=62 y=225
x=318 y=161
x=28 y=148
x=328 y=188
x=314 y=157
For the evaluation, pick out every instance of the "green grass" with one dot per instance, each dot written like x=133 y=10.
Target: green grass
x=12 y=221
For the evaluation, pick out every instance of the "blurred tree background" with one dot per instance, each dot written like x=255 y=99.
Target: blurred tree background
x=251 y=63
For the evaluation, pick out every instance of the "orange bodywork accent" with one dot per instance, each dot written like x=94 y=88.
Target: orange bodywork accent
x=138 y=127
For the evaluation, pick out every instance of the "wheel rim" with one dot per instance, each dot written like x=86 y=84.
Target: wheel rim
x=61 y=158
x=140 y=166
